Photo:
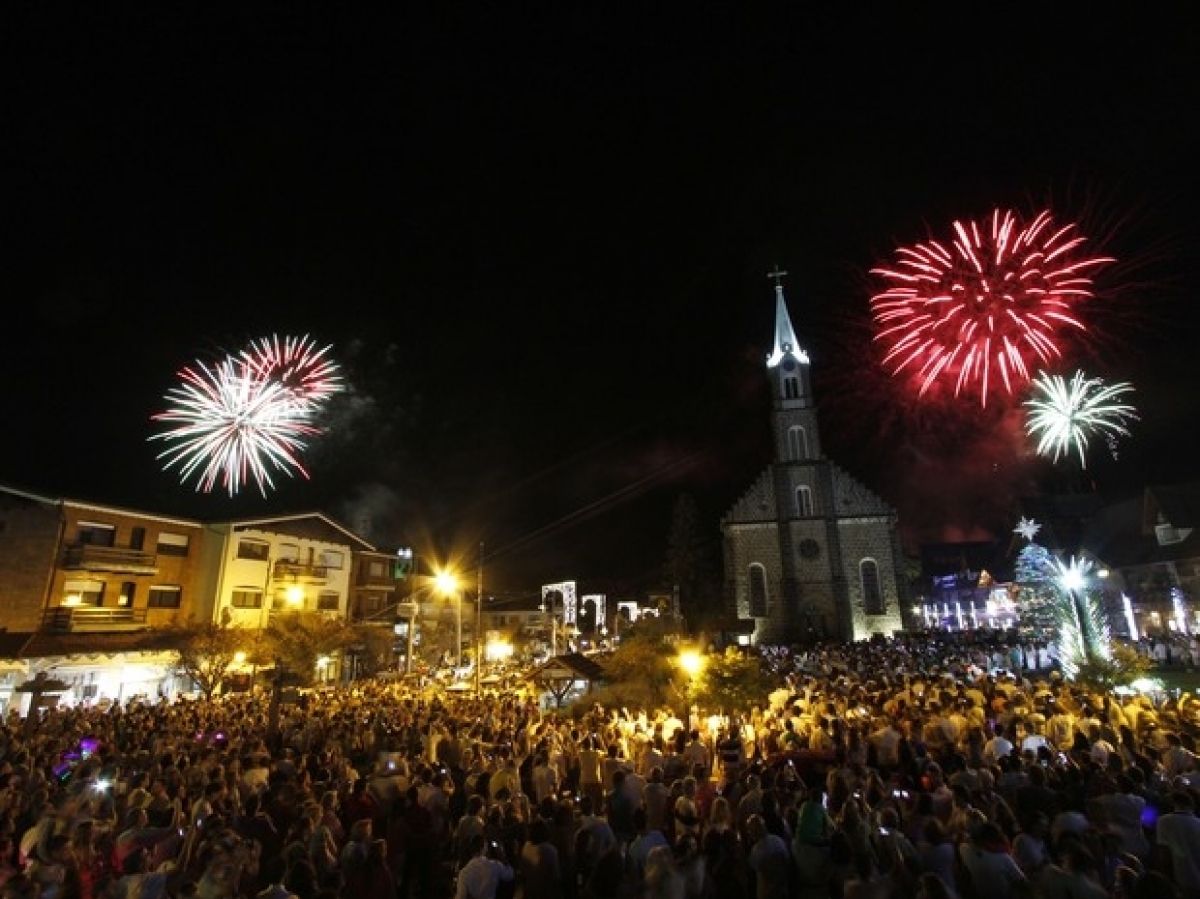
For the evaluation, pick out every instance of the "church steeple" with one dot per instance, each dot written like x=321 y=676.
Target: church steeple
x=788 y=363
x=785 y=335
x=794 y=411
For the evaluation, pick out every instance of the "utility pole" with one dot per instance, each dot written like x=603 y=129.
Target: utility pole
x=479 y=626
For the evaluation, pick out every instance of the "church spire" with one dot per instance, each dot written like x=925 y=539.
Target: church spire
x=785 y=335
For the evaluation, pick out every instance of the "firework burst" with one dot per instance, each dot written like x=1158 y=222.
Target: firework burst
x=227 y=423
x=1063 y=415
x=986 y=310
x=305 y=371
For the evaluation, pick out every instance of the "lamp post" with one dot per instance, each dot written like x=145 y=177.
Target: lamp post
x=479 y=627
x=447 y=583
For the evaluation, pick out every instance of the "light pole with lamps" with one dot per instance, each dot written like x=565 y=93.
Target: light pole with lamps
x=447 y=584
x=479 y=626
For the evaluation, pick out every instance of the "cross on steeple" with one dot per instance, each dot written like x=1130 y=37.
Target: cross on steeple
x=778 y=274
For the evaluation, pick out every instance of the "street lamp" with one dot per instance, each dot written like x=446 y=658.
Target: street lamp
x=447 y=584
x=691 y=662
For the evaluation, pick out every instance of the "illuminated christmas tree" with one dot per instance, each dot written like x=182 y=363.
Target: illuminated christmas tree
x=1037 y=596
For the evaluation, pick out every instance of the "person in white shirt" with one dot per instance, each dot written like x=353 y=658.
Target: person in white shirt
x=482 y=875
x=997 y=747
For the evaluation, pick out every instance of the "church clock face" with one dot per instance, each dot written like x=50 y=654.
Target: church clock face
x=810 y=549
x=789 y=364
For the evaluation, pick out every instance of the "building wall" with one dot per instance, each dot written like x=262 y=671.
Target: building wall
x=240 y=572
x=37 y=575
x=181 y=571
x=29 y=539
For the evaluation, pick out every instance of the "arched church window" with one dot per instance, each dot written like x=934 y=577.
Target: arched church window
x=791 y=388
x=804 y=501
x=797 y=443
x=868 y=573
x=758 y=591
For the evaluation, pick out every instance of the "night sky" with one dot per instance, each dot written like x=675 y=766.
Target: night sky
x=539 y=243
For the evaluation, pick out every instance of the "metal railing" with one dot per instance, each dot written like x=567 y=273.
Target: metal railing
x=88 y=557
x=286 y=568
x=76 y=619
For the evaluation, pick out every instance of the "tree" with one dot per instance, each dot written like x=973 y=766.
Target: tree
x=1121 y=668
x=689 y=559
x=1038 y=599
x=206 y=652
x=640 y=674
x=731 y=681
x=295 y=641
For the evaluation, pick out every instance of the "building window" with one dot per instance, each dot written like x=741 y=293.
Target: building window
x=791 y=389
x=868 y=573
x=378 y=570
x=255 y=550
x=289 y=552
x=804 y=504
x=328 y=602
x=797 y=447
x=137 y=538
x=165 y=596
x=172 y=544
x=371 y=603
x=83 y=593
x=246 y=598
x=758 y=591
x=128 y=590
x=93 y=533
x=332 y=559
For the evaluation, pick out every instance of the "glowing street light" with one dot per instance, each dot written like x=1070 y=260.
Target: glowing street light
x=691 y=662
x=447 y=584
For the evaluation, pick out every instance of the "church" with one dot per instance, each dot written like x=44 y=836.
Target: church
x=810 y=553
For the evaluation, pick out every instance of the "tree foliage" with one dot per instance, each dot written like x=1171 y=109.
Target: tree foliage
x=732 y=680
x=641 y=673
x=689 y=564
x=1123 y=666
x=296 y=640
x=1038 y=599
x=206 y=651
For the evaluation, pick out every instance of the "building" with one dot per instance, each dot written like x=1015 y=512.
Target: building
x=90 y=593
x=1148 y=548
x=87 y=589
x=810 y=553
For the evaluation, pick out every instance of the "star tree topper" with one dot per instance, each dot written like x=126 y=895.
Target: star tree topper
x=1027 y=528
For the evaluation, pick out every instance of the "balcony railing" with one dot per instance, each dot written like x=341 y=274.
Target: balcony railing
x=90 y=619
x=300 y=571
x=88 y=557
x=366 y=579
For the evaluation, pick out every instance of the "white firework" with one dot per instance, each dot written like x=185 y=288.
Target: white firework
x=1065 y=414
x=228 y=423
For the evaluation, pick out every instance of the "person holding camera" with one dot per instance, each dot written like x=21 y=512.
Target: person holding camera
x=481 y=877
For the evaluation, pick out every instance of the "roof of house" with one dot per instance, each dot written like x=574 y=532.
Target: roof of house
x=575 y=662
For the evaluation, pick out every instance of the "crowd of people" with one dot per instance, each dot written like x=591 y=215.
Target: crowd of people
x=922 y=769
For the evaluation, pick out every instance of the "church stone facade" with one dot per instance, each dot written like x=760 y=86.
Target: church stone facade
x=810 y=553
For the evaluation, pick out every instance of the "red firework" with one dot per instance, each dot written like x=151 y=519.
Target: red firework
x=987 y=311
x=302 y=368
